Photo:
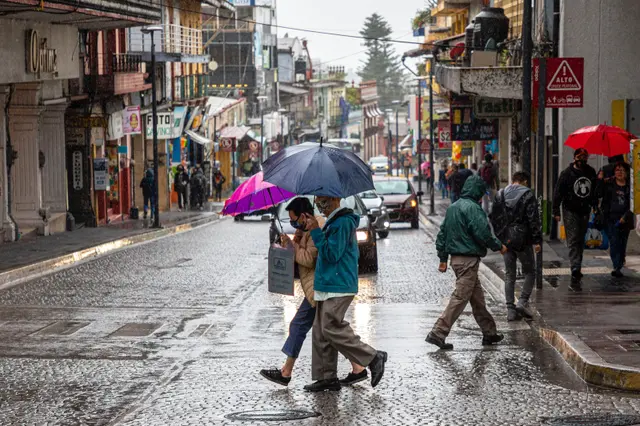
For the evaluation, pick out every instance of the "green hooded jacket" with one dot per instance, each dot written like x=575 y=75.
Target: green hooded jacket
x=465 y=230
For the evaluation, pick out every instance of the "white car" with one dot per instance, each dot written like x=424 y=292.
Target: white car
x=379 y=164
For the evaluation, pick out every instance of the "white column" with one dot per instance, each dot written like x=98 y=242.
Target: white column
x=52 y=144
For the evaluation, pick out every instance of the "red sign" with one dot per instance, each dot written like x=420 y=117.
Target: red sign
x=565 y=82
x=228 y=145
x=424 y=146
x=444 y=134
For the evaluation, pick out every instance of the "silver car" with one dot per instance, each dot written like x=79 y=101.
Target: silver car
x=377 y=210
x=379 y=165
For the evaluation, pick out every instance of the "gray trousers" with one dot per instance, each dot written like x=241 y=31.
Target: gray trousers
x=528 y=261
x=332 y=334
x=575 y=226
x=468 y=290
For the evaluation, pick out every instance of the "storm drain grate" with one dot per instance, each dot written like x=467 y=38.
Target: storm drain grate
x=593 y=420
x=272 y=415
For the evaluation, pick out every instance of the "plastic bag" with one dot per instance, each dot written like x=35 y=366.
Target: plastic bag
x=281 y=269
x=595 y=239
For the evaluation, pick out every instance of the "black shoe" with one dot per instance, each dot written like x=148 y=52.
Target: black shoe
x=617 y=273
x=352 y=378
x=575 y=285
x=490 y=339
x=377 y=368
x=576 y=275
x=275 y=376
x=524 y=312
x=513 y=315
x=323 y=385
x=435 y=340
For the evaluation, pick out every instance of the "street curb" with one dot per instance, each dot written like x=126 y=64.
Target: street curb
x=17 y=276
x=581 y=358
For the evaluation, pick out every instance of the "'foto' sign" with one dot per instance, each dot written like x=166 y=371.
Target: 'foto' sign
x=565 y=82
x=165 y=125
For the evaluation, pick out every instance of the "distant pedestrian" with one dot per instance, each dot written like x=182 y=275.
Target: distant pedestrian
x=489 y=174
x=306 y=255
x=180 y=183
x=453 y=169
x=198 y=188
x=442 y=180
x=616 y=209
x=575 y=193
x=516 y=221
x=335 y=286
x=218 y=182
x=407 y=165
x=458 y=180
x=474 y=168
x=148 y=192
x=465 y=235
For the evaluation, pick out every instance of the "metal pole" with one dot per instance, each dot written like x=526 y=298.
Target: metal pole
x=397 y=144
x=527 y=48
x=281 y=129
x=262 y=138
x=419 y=141
x=154 y=112
x=432 y=195
x=215 y=140
x=540 y=153
x=555 y=118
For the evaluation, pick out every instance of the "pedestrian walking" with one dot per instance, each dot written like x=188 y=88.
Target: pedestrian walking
x=609 y=169
x=148 y=192
x=180 y=182
x=458 y=180
x=574 y=195
x=489 y=174
x=218 y=181
x=306 y=255
x=442 y=180
x=516 y=222
x=464 y=236
x=453 y=169
x=474 y=168
x=615 y=193
x=198 y=188
x=407 y=165
x=335 y=286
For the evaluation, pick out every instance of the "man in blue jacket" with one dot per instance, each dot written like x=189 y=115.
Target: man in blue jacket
x=335 y=286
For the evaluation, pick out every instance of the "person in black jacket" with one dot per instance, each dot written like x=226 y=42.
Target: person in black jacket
x=148 y=192
x=180 y=182
x=616 y=208
x=459 y=178
x=516 y=222
x=608 y=171
x=575 y=192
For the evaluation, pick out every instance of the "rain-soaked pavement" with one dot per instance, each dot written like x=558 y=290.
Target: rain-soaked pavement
x=174 y=332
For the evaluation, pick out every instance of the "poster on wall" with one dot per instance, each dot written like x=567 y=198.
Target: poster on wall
x=465 y=126
x=444 y=134
x=132 y=124
x=116 y=126
x=100 y=176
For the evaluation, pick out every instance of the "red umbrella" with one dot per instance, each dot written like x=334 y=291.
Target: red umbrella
x=601 y=140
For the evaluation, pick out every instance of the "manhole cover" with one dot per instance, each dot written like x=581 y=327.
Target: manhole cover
x=272 y=415
x=594 y=420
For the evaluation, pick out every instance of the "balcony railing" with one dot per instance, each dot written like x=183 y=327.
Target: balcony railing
x=189 y=87
x=110 y=63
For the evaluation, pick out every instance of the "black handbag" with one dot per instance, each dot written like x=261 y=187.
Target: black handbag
x=629 y=221
x=599 y=221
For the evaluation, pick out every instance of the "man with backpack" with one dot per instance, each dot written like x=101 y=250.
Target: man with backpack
x=516 y=222
x=198 y=188
x=148 y=192
x=180 y=182
x=489 y=174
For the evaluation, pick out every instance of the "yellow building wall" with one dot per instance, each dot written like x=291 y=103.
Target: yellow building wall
x=513 y=9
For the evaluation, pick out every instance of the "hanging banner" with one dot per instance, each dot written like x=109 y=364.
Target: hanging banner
x=444 y=134
x=465 y=126
x=179 y=115
x=165 y=125
x=116 y=127
x=132 y=124
x=100 y=176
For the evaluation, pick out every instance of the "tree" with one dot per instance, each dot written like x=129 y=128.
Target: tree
x=382 y=63
x=423 y=16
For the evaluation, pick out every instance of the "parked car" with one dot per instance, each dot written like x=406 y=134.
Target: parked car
x=377 y=210
x=379 y=164
x=400 y=199
x=366 y=233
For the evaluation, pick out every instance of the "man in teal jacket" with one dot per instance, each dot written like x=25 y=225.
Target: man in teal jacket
x=335 y=286
x=465 y=235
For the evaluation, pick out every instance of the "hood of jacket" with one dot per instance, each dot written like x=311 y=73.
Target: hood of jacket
x=474 y=188
x=347 y=214
x=513 y=194
x=149 y=173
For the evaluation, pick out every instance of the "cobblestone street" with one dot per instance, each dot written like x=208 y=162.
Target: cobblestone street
x=174 y=332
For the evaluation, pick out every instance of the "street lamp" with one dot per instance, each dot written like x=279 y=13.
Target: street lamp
x=282 y=112
x=389 y=113
x=397 y=104
x=154 y=111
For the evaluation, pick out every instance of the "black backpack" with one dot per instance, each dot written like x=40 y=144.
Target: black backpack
x=511 y=233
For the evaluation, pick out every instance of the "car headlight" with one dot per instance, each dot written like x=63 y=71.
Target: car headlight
x=386 y=166
x=362 y=236
x=413 y=203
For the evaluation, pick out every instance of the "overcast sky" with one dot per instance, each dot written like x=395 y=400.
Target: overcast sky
x=345 y=16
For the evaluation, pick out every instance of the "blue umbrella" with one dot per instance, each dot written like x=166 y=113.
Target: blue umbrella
x=317 y=169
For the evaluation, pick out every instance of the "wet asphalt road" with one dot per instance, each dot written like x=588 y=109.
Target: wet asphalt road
x=174 y=332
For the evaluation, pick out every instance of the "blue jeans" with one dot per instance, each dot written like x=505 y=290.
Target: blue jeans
x=149 y=203
x=617 y=244
x=445 y=190
x=298 y=329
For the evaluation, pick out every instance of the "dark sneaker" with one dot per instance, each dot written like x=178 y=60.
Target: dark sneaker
x=512 y=315
x=275 y=376
x=576 y=275
x=490 y=339
x=377 y=368
x=323 y=385
x=617 y=273
x=575 y=285
x=435 y=340
x=353 y=378
x=523 y=311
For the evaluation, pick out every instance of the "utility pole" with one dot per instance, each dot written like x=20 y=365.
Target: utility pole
x=527 y=50
x=419 y=141
x=555 y=118
x=542 y=76
x=397 y=146
x=432 y=200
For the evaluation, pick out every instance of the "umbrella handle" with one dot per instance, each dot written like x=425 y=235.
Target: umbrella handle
x=272 y=202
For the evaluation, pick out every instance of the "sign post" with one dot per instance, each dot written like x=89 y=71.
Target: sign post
x=540 y=94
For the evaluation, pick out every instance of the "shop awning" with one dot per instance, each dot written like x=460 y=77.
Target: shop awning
x=234 y=132
x=197 y=138
x=407 y=142
x=378 y=112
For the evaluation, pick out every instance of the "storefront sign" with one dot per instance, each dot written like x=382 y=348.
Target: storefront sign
x=228 y=145
x=100 y=177
x=444 y=134
x=179 y=115
x=76 y=121
x=165 y=125
x=115 y=130
x=565 y=82
x=493 y=107
x=466 y=127
x=77 y=170
x=40 y=59
x=132 y=124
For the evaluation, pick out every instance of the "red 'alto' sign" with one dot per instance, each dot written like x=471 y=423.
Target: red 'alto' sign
x=565 y=82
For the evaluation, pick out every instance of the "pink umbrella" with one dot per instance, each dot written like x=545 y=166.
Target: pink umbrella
x=253 y=195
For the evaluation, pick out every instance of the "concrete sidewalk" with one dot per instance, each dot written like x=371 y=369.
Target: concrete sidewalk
x=30 y=257
x=597 y=330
